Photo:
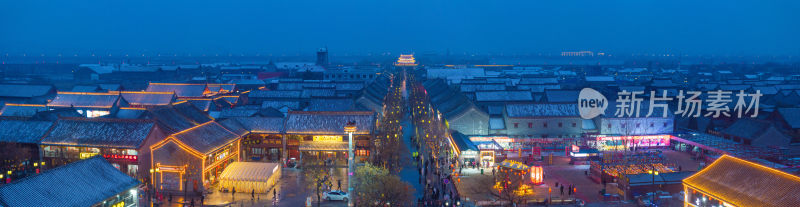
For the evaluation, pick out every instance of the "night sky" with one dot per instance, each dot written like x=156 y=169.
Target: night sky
x=718 y=27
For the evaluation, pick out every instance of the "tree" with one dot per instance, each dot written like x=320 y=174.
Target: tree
x=316 y=176
x=377 y=187
x=507 y=186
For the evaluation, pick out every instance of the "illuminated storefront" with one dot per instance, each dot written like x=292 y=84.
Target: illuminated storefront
x=194 y=158
x=121 y=142
x=609 y=143
x=320 y=135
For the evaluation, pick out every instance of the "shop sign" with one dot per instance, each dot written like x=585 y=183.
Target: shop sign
x=325 y=138
x=85 y=155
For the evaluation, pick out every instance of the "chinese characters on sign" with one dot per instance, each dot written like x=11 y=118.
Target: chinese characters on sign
x=689 y=103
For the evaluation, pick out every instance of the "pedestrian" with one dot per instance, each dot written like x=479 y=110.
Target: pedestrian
x=253 y=194
x=562 y=190
x=202 y=198
x=233 y=192
x=192 y=203
x=274 y=194
x=556 y=184
x=339 y=184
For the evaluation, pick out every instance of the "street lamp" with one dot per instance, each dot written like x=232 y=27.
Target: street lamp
x=350 y=128
x=653 y=173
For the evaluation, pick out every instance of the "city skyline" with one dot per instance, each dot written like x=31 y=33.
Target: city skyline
x=748 y=28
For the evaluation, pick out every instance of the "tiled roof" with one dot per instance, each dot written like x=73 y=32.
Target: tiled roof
x=175 y=118
x=87 y=88
x=744 y=183
x=260 y=124
x=19 y=131
x=330 y=105
x=21 y=110
x=294 y=105
x=207 y=137
x=538 y=88
x=24 y=91
x=148 y=98
x=318 y=93
x=274 y=94
x=81 y=99
x=308 y=122
x=561 y=96
x=180 y=89
x=503 y=96
x=82 y=183
x=482 y=87
x=542 y=110
x=463 y=142
x=539 y=81
x=99 y=132
x=747 y=128
x=221 y=87
x=791 y=116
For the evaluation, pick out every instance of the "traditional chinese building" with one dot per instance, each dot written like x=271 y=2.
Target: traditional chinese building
x=19 y=144
x=730 y=181
x=142 y=99
x=89 y=182
x=262 y=137
x=124 y=142
x=89 y=104
x=194 y=158
x=192 y=90
x=321 y=135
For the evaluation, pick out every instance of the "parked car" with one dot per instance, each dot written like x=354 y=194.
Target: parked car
x=335 y=195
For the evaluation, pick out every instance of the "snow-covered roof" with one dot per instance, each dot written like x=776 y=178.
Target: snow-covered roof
x=180 y=89
x=599 y=79
x=21 y=110
x=143 y=98
x=81 y=99
x=503 y=96
x=206 y=137
x=541 y=110
x=274 y=94
x=19 y=131
x=99 y=132
x=561 y=96
x=24 y=91
x=81 y=183
x=321 y=104
x=328 y=122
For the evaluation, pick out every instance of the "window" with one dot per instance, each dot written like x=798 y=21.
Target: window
x=530 y=125
x=651 y=124
x=560 y=124
x=637 y=125
x=609 y=126
x=544 y=124
x=516 y=125
x=665 y=124
x=574 y=124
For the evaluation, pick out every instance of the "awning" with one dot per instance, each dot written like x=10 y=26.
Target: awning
x=323 y=146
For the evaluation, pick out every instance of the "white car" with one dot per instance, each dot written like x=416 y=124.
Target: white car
x=335 y=195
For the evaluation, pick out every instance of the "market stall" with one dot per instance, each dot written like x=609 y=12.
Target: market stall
x=248 y=176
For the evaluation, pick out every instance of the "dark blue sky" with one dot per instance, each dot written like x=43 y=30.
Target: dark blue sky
x=721 y=27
